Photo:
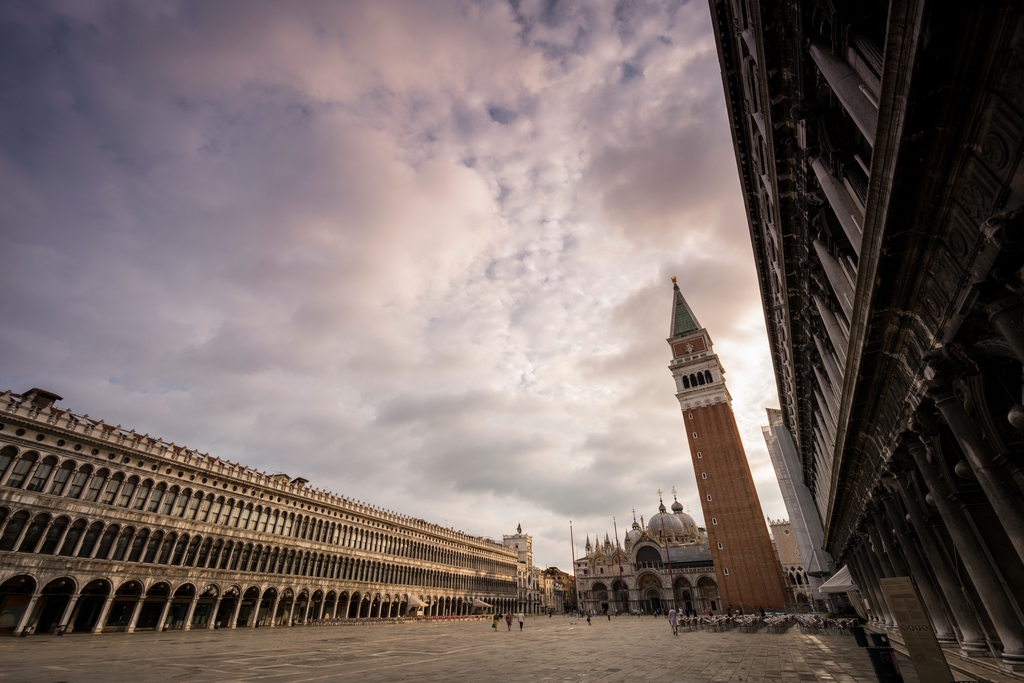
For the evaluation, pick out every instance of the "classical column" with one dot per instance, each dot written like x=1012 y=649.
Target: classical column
x=917 y=569
x=846 y=210
x=273 y=609
x=291 y=610
x=828 y=359
x=98 y=628
x=883 y=528
x=994 y=480
x=874 y=568
x=972 y=553
x=1005 y=314
x=256 y=613
x=865 y=589
x=234 y=612
x=215 y=613
x=65 y=617
x=848 y=87
x=191 y=610
x=136 y=610
x=973 y=642
x=885 y=561
x=163 y=614
x=27 y=614
x=841 y=287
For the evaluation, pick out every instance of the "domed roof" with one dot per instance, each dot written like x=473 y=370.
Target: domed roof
x=668 y=523
x=677 y=507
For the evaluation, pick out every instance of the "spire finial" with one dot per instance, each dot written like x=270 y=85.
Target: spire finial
x=659 y=494
x=674 y=496
x=674 y=280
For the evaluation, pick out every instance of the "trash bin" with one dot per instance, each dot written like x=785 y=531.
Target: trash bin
x=883 y=660
x=858 y=635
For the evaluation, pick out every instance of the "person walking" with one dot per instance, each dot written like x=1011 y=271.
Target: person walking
x=672 y=620
x=520 y=616
x=494 y=622
x=508 y=621
x=589 y=615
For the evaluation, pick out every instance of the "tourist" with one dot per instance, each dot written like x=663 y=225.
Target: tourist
x=508 y=620
x=494 y=624
x=728 y=610
x=761 y=610
x=521 y=616
x=672 y=620
x=589 y=615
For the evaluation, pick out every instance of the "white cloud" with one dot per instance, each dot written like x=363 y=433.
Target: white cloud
x=418 y=251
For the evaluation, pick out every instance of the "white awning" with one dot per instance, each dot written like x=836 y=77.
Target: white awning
x=480 y=603
x=415 y=602
x=842 y=582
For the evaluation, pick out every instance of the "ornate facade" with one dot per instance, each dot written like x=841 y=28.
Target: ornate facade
x=666 y=563
x=879 y=146
x=103 y=529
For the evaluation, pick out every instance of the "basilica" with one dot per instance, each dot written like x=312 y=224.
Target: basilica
x=666 y=562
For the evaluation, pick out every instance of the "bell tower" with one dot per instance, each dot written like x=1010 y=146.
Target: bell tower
x=745 y=564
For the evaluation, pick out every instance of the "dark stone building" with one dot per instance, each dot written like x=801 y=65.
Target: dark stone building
x=879 y=150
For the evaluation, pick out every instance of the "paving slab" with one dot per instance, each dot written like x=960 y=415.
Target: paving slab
x=548 y=649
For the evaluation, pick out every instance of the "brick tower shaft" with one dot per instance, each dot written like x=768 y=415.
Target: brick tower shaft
x=745 y=564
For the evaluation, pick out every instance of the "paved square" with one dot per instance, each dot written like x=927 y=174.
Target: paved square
x=558 y=649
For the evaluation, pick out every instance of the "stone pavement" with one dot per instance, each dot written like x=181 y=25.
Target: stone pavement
x=558 y=649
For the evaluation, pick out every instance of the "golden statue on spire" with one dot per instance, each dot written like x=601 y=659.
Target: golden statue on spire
x=673 y=280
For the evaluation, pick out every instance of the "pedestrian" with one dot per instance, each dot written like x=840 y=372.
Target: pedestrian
x=494 y=622
x=521 y=616
x=609 y=615
x=710 y=613
x=589 y=615
x=761 y=610
x=672 y=620
x=728 y=610
x=508 y=620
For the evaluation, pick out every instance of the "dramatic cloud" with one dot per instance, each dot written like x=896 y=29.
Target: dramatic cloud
x=418 y=252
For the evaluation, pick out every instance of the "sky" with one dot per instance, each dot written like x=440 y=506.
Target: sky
x=416 y=252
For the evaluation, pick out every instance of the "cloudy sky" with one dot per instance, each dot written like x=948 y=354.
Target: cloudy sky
x=418 y=252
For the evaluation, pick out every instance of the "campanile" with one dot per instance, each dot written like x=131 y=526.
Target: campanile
x=748 y=572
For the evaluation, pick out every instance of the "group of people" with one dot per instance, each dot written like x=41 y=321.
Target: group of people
x=508 y=620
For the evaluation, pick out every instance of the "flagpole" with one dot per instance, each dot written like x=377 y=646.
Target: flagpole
x=618 y=555
x=575 y=585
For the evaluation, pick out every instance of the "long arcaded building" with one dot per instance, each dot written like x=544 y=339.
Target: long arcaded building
x=879 y=145
x=103 y=529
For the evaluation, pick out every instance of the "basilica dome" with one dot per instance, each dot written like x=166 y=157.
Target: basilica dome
x=678 y=526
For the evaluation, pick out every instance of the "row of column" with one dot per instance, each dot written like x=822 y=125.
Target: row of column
x=920 y=526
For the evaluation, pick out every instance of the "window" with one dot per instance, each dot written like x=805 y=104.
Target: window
x=719 y=546
x=140 y=498
x=111 y=491
x=126 y=492
x=41 y=473
x=93 y=492
x=699 y=454
x=6 y=456
x=21 y=469
x=707 y=376
x=709 y=496
x=725 y=570
x=158 y=495
x=703 y=475
x=691 y=416
x=169 y=499
x=714 y=521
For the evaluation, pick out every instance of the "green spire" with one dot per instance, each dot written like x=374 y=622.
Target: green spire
x=683 y=320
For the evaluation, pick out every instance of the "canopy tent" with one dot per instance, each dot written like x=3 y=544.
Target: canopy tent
x=415 y=602
x=480 y=603
x=842 y=582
